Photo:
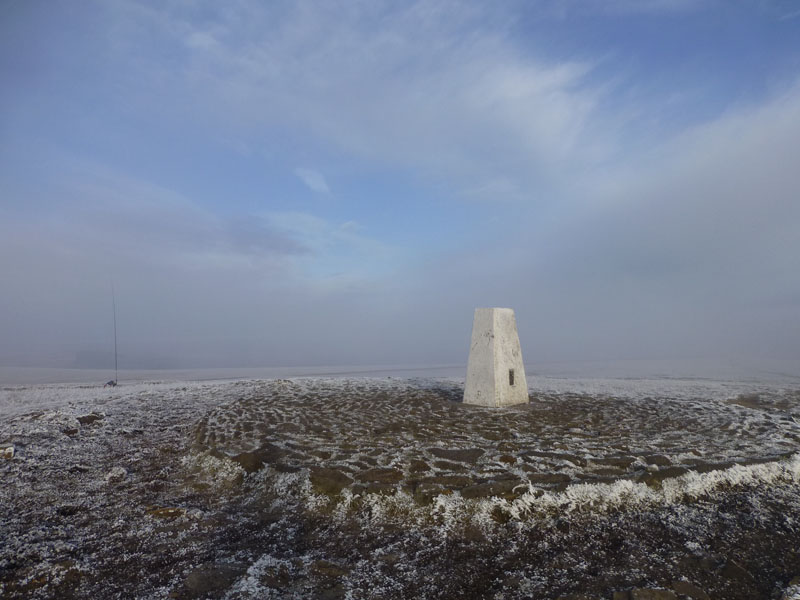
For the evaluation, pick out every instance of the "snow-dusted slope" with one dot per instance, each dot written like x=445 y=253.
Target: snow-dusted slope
x=386 y=488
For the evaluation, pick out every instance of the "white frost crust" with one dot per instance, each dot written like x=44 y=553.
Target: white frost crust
x=628 y=494
x=451 y=512
x=791 y=593
x=217 y=472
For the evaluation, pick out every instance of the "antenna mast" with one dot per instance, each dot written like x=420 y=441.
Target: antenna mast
x=114 y=307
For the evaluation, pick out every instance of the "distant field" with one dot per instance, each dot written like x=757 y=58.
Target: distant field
x=752 y=370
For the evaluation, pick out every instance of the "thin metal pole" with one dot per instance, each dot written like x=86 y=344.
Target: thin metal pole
x=114 y=306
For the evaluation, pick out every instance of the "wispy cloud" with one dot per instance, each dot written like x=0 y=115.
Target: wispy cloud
x=438 y=87
x=542 y=155
x=313 y=179
x=647 y=6
x=342 y=255
x=106 y=217
x=192 y=284
x=790 y=15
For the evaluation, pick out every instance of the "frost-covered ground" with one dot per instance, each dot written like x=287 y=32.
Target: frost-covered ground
x=360 y=487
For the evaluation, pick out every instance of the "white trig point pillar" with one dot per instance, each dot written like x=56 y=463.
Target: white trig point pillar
x=495 y=373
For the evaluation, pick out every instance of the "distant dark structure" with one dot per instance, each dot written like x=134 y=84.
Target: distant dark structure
x=113 y=382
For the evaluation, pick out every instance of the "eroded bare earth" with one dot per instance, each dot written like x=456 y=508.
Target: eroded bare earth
x=332 y=488
x=370 y=437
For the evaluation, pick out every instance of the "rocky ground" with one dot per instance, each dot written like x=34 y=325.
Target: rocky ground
x=382 y=488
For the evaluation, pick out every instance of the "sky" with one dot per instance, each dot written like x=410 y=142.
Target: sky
x=323 y=183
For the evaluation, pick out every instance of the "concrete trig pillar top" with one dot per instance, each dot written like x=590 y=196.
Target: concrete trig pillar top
x=495 y=373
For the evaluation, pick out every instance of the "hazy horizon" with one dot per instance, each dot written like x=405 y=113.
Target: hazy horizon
x=303 y=183
x=764 y=371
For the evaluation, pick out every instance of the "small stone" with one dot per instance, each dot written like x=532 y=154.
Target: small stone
x=89 y=419
x=687 y=588
x=165 y=512
x=68 y=510
x=8 y=452
x=116 y=475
